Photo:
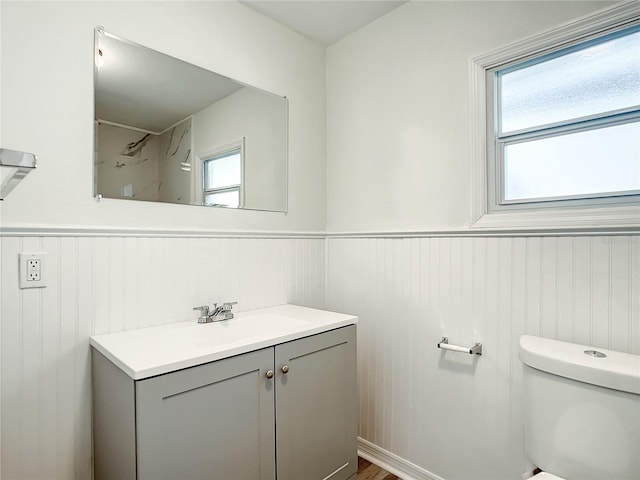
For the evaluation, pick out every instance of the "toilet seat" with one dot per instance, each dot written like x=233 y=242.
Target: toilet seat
x=545 y=476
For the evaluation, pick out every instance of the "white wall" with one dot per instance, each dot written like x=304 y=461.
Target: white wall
x=107 y=284
x=47 y=105
x=397 y=109
x=101 y=283
x=398 y=161
x=449 y=414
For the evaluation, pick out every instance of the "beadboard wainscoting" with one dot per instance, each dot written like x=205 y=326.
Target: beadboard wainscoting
x=110 y=283
x=450 y=415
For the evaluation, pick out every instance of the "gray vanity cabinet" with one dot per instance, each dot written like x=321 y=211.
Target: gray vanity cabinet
x=316 y=407
x=285 y=412
x=212 y=421
x=214 y=418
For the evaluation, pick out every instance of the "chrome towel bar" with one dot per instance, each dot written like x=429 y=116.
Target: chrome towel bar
x=445 y=345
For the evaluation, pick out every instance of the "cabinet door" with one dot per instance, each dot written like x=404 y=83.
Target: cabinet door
x=316 y=407
x=213 y=421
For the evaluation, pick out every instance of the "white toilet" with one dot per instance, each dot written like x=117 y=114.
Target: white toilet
x=581 y=411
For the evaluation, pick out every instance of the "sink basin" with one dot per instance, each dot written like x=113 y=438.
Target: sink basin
x=147 y=352
x=239 y=329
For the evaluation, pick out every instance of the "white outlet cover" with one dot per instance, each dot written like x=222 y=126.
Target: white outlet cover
x=23 y=258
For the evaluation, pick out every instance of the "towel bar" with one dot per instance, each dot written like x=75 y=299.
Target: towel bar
x=445 y=345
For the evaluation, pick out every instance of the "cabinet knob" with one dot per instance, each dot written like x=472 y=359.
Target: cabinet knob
x=285 y=369
x=270 y=374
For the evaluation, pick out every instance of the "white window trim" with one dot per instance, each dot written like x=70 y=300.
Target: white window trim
x=595 y=217
x=215 y=152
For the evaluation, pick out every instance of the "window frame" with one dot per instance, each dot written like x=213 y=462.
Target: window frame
x=216 y=154
x=489 y=208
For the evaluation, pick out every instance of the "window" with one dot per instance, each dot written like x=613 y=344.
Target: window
x=222 y=177
x=562 y=119
x=566 y=125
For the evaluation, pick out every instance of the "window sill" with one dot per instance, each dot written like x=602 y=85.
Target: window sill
x=619 y=219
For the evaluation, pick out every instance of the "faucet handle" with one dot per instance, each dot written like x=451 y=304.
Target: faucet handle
x=228 y=305
x=204 y=310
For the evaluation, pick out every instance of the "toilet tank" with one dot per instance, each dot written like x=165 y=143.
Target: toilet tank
x=581 y=410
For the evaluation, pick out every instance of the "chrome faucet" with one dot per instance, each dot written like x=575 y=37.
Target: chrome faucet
x=219 y=313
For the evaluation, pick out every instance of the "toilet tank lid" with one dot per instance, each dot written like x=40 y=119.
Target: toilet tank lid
x=619 y=371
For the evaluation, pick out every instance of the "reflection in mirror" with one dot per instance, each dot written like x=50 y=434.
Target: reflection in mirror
x=169 y=131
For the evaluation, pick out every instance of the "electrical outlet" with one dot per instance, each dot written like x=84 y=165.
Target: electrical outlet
x=32 y=270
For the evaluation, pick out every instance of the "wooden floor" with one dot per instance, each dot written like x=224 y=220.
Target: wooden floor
x=370 y=471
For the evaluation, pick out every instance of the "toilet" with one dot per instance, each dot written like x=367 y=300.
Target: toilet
x=581 y=411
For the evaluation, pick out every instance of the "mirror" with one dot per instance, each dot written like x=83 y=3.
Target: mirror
x=169 y=131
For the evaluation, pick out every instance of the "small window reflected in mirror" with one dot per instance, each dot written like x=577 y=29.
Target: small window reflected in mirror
x=222 y=173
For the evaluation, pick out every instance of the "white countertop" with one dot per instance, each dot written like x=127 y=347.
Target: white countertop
x=152 y=351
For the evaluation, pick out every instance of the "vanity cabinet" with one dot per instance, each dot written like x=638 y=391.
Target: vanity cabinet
x=210 y=421
x=286 y=412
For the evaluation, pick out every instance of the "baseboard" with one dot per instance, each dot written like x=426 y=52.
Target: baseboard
x=392 y=463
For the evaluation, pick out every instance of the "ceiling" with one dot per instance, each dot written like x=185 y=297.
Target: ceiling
x=325 y=21
x=146 y=89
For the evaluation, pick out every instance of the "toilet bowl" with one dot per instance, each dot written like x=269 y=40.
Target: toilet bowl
x=581 y=411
